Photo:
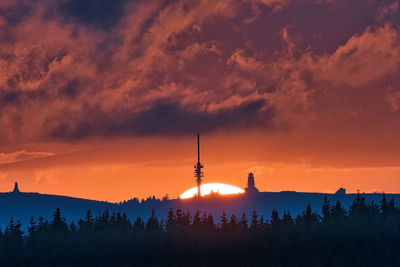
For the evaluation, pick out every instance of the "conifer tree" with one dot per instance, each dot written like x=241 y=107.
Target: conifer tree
x=392 y=203
x=126 y=223
x=275 y=220
x=118 y=219
x=373 y=209
x=105 y=217
x=89 y=218
x=326 y=209
x=179 y=216
x=72 y=227
x=171 y=222
x=152 y=223
x=254 y=220
x=210 y=222
x=13 y=236
x=186 y=219
x=287 y=219
x=224 y=221
x=196 y=219
x=113 y=218
x=262 y=224
x=42 y=224
x=384 y=206
x=58 y=222
x=204 y=219
x=338 y=212
x=358 y=208
x=32 y=226
x=138 y=225
x=391 y=209
x=87 y=223
x=244 y=223
x=308 y=218
x=233 y=223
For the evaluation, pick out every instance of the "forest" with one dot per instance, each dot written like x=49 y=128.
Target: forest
x=367 y=234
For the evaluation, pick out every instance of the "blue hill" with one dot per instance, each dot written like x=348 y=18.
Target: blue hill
x=21 y=206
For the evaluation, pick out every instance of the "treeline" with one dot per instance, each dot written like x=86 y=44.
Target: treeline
x=367 y=234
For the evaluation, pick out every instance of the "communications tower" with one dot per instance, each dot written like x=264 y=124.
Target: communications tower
x=198 y=173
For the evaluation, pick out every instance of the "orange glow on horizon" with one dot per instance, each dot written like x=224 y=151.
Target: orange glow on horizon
x=120 y=169
x=206 y=189
x=108 y=107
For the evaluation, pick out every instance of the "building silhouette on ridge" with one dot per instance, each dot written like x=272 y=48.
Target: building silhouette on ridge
x=16 y=189
x=251 y=187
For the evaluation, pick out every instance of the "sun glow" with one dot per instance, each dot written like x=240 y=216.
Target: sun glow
x=206 y=189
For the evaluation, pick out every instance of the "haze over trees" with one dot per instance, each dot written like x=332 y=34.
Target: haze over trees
x=367 y=234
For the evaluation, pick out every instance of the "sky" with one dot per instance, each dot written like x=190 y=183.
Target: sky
x=103 y=99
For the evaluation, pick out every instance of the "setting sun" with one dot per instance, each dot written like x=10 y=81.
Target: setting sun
x=206 y=189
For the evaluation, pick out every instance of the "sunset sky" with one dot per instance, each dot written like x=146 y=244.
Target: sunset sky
x=103 y=99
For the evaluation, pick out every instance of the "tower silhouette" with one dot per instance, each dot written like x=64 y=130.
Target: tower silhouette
x=198 y=173
x=251 y=186
x=16 y=189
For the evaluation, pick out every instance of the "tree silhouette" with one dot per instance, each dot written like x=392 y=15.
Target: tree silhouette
x=179 y=217
x=72 y=227
x=58 y=223
x=224 y=222
x=287 y=220
x=196 y=220
x=364 y=237
x=244 y=223
x=210 y=222
x=326 y=209
x=13 y=237
x=254 y=221
x=171 y=222
x=32 y=226
x=338 y=212
x=152 y=224
x=275 y=220
x=138 y=225
x=308 y=218
x=233 y=223
x=358 y=208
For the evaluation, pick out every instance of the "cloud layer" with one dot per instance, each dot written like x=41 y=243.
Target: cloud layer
x=7 y=158
x=78 y=69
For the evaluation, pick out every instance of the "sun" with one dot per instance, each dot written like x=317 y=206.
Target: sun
x=206 y=189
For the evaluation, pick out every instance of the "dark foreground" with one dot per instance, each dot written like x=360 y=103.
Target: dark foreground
x=365 y=235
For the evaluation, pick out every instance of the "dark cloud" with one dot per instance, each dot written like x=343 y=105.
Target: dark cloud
x=167 y=118
x=176 y=67
x=18 y=97
x=102 y=13
x=14 y=14
x=10 y=98
x=171 y=119
x=70 y=90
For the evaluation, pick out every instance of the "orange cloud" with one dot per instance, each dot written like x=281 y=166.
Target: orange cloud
x=290 y=81
x=23 y=155
x=355 y=63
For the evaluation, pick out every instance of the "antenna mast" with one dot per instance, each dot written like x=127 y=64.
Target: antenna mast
x=198 y=173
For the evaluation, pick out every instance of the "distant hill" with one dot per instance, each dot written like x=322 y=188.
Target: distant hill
x=21 y=206
x=265 y=202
